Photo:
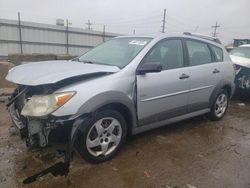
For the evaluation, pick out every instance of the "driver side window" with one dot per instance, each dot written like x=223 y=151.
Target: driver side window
x=168 y=52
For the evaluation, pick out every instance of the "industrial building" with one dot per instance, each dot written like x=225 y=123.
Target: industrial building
x=21 y=37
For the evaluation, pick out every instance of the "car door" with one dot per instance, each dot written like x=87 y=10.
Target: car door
x=205 y=74
x=164 y=94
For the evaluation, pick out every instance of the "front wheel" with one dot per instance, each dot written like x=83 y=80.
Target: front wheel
x=101 y=136
x=220 y=105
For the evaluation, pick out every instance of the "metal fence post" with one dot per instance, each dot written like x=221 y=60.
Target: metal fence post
x=20 y=33
x=67 y=36
x=103 y=37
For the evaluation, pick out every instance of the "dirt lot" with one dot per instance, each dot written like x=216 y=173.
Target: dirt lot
x=193 y=153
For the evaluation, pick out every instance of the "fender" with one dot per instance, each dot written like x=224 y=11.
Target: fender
x=216 y=90
x=106 y=98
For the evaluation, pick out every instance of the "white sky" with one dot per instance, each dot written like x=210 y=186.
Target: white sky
x=145 y=16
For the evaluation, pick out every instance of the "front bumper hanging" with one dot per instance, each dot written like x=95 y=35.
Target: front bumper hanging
x=61 y=168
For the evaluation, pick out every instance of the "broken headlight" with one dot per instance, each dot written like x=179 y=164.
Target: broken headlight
x=42 y=105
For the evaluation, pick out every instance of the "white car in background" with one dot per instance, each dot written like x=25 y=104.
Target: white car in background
x=241 y=58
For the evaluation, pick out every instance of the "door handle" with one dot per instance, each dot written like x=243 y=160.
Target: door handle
x=184 y=76
x=216 y=71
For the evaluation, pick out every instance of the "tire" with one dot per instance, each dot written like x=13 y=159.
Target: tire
x=219 y=108
x=101 y=136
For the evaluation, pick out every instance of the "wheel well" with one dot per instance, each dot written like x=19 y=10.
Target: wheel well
x=228 y=89
x=123 y=110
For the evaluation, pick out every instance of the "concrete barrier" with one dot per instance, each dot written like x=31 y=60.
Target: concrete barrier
x=18 y=59
x=65 y=57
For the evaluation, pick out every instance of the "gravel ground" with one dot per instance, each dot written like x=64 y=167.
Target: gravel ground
x=4 y=68
x=196 y=153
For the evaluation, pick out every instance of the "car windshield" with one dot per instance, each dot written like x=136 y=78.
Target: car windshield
x=241 y=52
x=116 y=52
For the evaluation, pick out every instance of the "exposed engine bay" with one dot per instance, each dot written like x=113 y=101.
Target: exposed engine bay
x=242 y=77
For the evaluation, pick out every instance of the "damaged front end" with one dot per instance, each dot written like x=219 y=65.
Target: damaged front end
x=36 y=98
x=38 y=105
x=241 y=59
x=35 y=130
x=242 y=78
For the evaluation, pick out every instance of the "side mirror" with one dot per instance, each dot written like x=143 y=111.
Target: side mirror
x=149 y=67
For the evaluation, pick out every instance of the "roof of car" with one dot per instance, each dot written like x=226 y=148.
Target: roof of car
x=183 y=35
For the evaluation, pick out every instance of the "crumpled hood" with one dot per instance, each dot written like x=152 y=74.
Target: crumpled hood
x=242 y=61
x=49 y=72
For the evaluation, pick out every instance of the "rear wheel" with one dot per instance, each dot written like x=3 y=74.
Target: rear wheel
x=220 y=105
x=101 y=136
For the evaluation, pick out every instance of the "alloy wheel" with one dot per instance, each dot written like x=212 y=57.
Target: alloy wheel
x=104 y=136
x=221 y=105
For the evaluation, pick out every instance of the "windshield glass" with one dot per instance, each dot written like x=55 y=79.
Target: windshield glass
x=117 y=52
x=241 y=52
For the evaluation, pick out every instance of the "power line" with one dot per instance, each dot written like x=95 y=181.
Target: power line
x=176 y=26
x=236 y=27
x=196 y=28
x=133 y=21
x=133 y=25
x=215 y=29
x=143 y=16
x=233 y=33
x=181 y=22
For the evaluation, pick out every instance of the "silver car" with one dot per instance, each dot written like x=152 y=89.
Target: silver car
x=122 y=87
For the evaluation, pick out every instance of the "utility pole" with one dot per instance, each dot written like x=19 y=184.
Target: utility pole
x=67 y=36
x=103 y=38
x=134 y=32
x=89 y=25
x=215 y=29
x=164 y=21
x=20 y=33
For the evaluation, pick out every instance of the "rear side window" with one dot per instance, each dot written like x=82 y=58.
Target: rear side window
x=218 y=52
x=198 y=53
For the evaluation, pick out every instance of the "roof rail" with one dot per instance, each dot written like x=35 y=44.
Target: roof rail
x=203 y=37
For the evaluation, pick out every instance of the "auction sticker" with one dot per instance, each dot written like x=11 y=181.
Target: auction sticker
x=138 y=42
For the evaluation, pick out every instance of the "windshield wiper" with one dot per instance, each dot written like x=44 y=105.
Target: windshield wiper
x=89 y=62
x=76 y=59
